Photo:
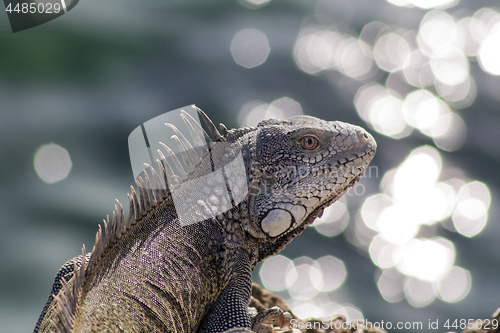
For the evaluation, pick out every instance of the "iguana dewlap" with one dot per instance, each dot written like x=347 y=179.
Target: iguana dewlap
x=149 y=273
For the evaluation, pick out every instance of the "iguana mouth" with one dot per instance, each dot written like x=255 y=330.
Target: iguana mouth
x=342 y=164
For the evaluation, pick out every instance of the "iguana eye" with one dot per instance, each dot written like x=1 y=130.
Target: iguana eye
x=309 y=142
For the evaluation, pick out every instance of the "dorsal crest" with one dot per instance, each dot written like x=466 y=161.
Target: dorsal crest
x=155 y=185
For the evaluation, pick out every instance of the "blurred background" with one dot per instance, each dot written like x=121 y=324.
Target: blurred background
x=415 y=240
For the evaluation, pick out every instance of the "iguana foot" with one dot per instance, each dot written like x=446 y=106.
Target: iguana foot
x=264 y=321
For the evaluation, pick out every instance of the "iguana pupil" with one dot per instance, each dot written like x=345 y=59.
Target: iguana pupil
x=309 y=142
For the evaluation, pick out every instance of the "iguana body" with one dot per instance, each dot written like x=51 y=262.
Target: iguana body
x=150 y=274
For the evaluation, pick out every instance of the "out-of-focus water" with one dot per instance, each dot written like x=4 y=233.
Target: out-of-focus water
x=415 y=240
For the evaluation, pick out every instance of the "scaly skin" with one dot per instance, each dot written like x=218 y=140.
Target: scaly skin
x=150 y=274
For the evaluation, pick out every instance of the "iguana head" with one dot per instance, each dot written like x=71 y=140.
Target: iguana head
x=300 y=166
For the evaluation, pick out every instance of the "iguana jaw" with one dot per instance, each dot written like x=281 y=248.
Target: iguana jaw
x=333 y=198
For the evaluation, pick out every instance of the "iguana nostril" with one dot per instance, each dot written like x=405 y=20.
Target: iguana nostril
x=364 y=137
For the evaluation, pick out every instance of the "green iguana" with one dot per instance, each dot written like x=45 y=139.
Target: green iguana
x=149 y=273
